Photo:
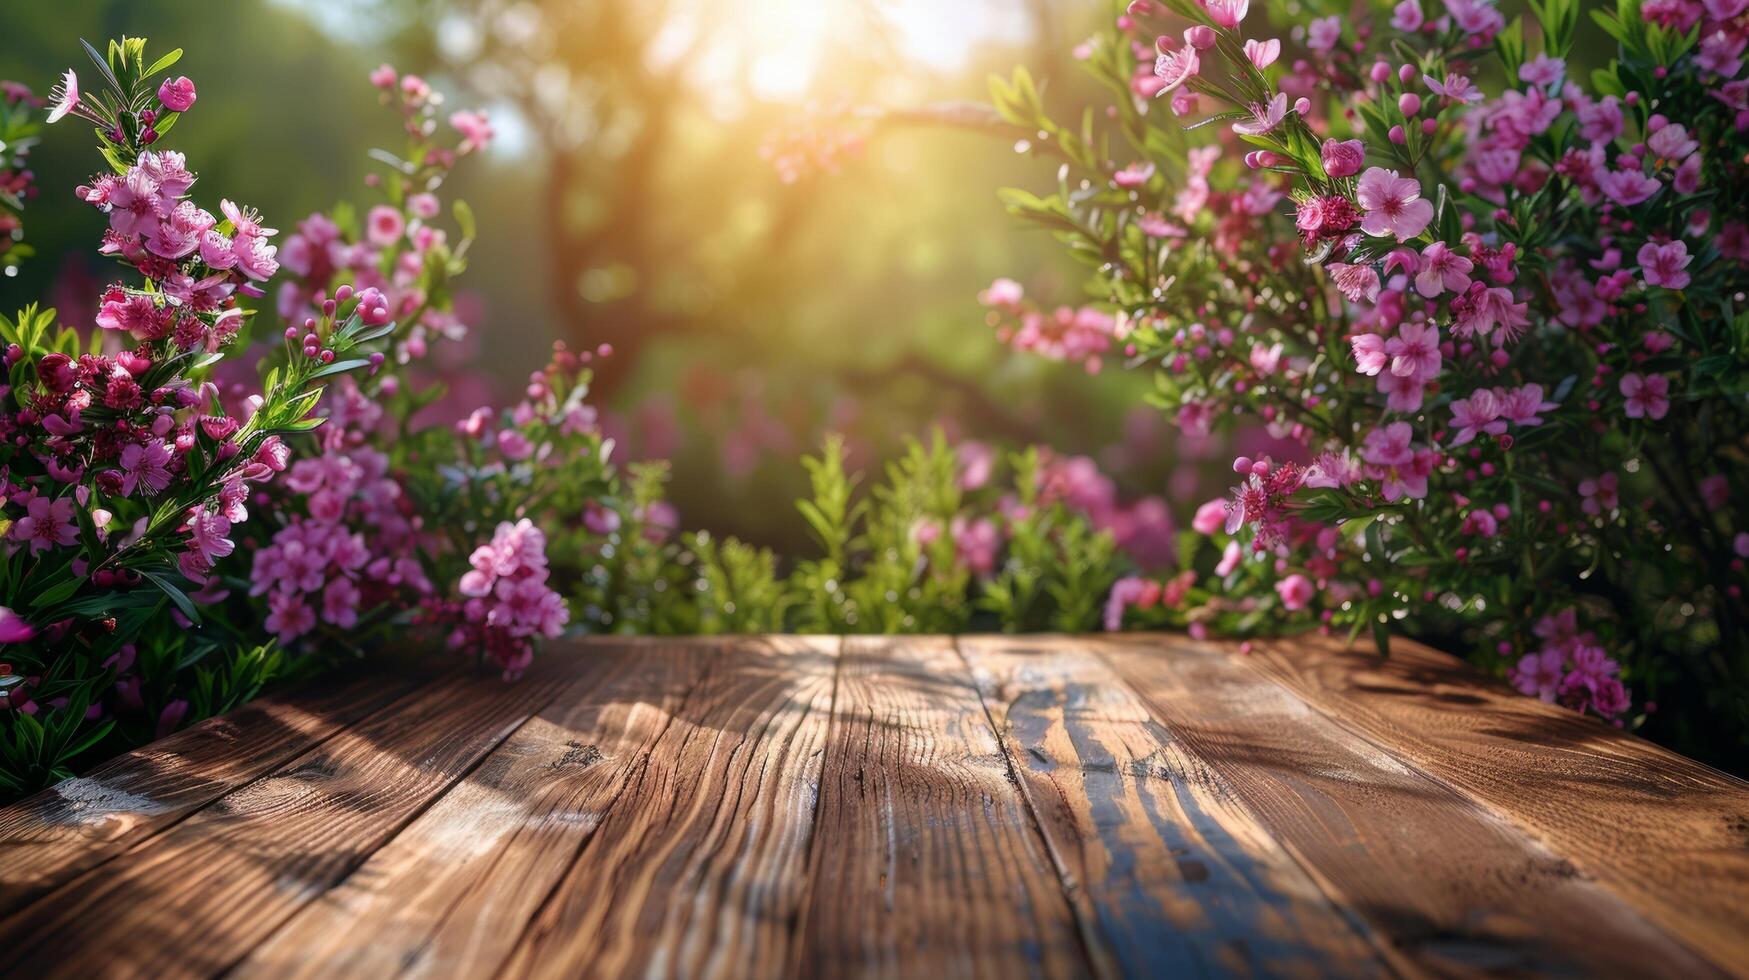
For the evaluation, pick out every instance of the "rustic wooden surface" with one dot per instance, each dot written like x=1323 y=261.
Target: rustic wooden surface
x=905 y=807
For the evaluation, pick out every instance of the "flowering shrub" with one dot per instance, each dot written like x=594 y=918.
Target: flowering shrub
x=380 y=525
x=1497 y=303
x=122 y=475
x=163 y=513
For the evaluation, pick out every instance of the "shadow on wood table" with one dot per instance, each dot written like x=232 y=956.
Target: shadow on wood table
x=911 y=807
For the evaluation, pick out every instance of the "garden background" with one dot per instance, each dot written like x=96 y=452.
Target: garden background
x=627 y=200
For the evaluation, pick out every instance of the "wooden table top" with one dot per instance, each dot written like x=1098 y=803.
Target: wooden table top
x=910 y=807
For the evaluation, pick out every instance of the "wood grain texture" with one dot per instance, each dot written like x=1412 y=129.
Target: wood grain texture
x=49 y=838
x=450 y=894
x=1457 y=889
x=697 y=870
x=926 y=861
x=194 y=899
x=757 y=807
x=1669 y=834
x=1175 y=874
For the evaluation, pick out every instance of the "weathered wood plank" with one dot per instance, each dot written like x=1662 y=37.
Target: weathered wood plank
x=50 y=838
x=926 y=862
x=450 y=894
x=1176 y=874
x=1459 y=890
x=194 y=899
x=697 y=870
x=1669 y=834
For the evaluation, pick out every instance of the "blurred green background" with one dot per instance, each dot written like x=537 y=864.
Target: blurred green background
x=627 y=201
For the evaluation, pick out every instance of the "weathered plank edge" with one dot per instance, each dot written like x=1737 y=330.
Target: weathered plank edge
x=1710 y=938
x=117 y=776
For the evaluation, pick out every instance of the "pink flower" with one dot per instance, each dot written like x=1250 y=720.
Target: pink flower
x=1599 y=495
x=1003 y=294
x=1296 y=592
x=1130 y=592
x=975 y=543
x=383 y=76
x=1343 y=158
x=1393 y=204
x=1648 y=396
x=1524 y=405
x=1262 y=54
x=12 y=628
x=513 y=445
x=1227 y=13
x=384 y=226
x=288 y=616
x=1133 y=176
x=1539 y=674
x=1360 y=283
x=1231 y=556
x=1176 y=68
x=1627 y=187
x=1210 y=516
x=340 y=603
x=1664 y=265
x=1263 y=117
x=1672 y=142
x=1334 y=470
x=1401 y=470
x=145 y=465
x=1481 y=523
x=1456 y=88
x=1407 y=16
x=1542 y=70
x=1442 y=269
x=1476 y=414
x=1601 y=121
x=180 y=233
x=177 y=94
x=46 y=524
x=65 y=96
x=1403 y=394
x=1323 y=34
x=254 y=257
x=1414 y=351
x=476 y=130
x=206 y=535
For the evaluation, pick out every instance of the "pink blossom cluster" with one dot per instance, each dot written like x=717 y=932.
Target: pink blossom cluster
x=1572 y=669
x=507 y=599
x=1077 y=336
x=1142 y=528
x=352 y=550
x=400 y=239
x=174 y=242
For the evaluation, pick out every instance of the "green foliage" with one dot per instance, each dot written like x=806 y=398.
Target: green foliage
x=888 y=561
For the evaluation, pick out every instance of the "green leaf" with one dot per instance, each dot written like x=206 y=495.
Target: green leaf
x=177 y=596
x=102 y=64
x=464 y=219
x=161 y=64
x=340 y=367
x=1381 y=637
